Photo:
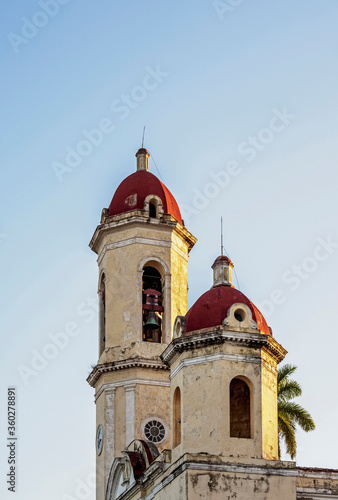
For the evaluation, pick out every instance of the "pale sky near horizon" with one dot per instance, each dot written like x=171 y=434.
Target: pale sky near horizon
x=240 y=109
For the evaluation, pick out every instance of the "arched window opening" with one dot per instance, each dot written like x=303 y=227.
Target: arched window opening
x=152 y=210
x=240 y=414
x=152 y=309
x=177 y=417
x=102 y=315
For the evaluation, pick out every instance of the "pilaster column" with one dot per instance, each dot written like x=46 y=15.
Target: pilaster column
x=130 y=413
x=109 y=437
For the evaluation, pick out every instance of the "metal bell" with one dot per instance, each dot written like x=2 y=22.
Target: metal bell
x=151 y=323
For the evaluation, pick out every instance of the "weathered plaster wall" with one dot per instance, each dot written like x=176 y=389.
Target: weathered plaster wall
x=121 y=265
x=152 y=401
x=205 y=400
x=217 y=485
x=210 y=477
x=124 y=291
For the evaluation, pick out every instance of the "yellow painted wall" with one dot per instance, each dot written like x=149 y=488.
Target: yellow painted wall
x=269 y=407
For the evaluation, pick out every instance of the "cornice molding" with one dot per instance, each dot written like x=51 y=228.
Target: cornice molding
x=317 y=473
x=100 y=369
x=140 y=218
x=112 y=386
x=221 y=335
x=244 y=469
x=275 y=349
x=211 y=337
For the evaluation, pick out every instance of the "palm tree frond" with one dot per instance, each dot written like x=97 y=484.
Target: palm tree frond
x=290 y=414
x=289 y=389
x=297 y=414
x=287 y=432
x=285 y=372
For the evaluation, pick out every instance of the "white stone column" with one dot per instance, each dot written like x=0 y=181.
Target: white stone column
x=130 y=413
x=109 y=437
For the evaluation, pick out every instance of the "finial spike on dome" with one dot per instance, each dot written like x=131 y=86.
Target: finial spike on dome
x=144 y=129
x=222 y=236
x=142 y=156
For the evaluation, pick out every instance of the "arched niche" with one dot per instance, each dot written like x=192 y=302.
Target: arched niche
x=240 y=407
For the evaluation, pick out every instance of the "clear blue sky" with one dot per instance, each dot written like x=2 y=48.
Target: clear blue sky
x=251 y=93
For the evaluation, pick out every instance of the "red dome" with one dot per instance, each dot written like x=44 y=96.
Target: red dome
x=222 y=258
x=132 y=192
x=212 y=308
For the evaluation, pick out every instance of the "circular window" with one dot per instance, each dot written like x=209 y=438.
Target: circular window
x=154 y=431
x=239 y=315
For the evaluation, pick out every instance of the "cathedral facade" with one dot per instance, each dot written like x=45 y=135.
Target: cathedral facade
x=186 y=401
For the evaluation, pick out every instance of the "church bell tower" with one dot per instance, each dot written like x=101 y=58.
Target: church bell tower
x=142 y=247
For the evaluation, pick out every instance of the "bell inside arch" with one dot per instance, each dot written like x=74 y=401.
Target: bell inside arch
x=151 y=323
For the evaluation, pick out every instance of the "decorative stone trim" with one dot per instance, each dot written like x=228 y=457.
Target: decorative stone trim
x=314 y=494
x=159 y=204
x=276 y=349
x=120 y=469
x=317 y=473
x=243 y=469
x=132 y=216
x=247 y=322
x=130 y=412
x=124 y=383
x=179 y=326
x=132 y=241
x=238 y=358
x=205 y=337
x=144 y=241
x=99 y=369
x=149 y=258
x=139 y=217
x=110 y=426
